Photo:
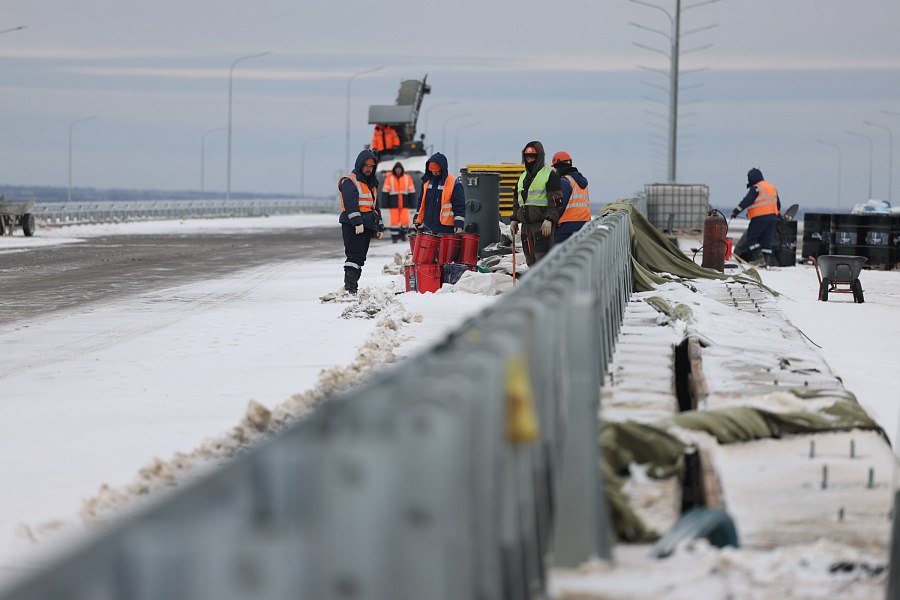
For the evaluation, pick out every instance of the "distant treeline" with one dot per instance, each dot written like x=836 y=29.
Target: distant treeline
x=60 y=194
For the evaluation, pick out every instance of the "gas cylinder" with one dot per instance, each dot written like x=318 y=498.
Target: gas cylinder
x=715 y=228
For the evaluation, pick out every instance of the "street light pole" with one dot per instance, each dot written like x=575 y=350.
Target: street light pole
x=230 y=88
x=840 y=160
x=444 y=128
x=456 y=141
x=71 y=126
x=203 y=154
x=303 y=161
x=871 y=154
x=890 y=155
x=347 y=140
x=19 y=28
x=428 y=113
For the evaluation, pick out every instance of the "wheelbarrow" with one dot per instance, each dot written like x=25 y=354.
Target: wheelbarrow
x=836 y=270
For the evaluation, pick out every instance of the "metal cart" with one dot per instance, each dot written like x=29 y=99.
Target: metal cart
x=836 y=270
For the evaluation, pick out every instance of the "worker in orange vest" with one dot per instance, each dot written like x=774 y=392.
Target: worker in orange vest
x=378 y=139
x=398 y=194
x=763 y=207
x=391 y=139
x=360 y=220
x=442 y=203
x=575 y=209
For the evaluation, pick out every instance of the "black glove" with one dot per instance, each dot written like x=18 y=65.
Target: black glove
x=417 y=225
x=734 y=213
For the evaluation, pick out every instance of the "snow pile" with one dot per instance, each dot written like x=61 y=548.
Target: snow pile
x=260 y=422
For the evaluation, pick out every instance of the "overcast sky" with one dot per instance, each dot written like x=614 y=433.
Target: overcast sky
x=781 y=74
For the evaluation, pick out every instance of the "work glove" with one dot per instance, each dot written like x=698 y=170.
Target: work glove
x=379 y=235
x=513 y=227
x=734 y=213
x=418 y=226
x=457 y=230
x=546 y=228
x=359 y=229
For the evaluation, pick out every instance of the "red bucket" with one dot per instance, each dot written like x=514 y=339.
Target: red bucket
x=449 y=248
x=469 y=252
x=428 y=278
x=409 y=273
x=426 y=248
x=412 y=243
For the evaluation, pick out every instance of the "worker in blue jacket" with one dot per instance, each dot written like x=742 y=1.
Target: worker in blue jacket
x=360 y=220
x=442 y=205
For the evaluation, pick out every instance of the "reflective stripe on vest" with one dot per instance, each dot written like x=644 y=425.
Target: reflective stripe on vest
x=366 y=197
x=403 y=185
x=446 y=216
x=766 y=202
x=579 y=206
x=537 y=191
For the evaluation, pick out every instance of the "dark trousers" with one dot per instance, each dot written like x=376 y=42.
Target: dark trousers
x=535 y=245
x=356 y=247
x=760 y=233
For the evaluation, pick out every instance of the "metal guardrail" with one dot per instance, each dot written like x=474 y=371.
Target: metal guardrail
x=60 y=213
x=425 y=482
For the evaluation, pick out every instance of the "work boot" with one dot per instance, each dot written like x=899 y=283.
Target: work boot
x=351 y=279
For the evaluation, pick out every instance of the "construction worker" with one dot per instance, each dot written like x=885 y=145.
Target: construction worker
x=360 y=219
x=397 y=194
x=763 y=207
x=391 y=139
x=575 y=208
x=442 y=205
x=377 y=145
x=535 y=203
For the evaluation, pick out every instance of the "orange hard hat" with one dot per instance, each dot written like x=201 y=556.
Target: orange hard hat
x=530 y=150
x=560 y=157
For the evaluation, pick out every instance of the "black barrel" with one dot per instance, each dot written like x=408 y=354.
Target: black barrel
x=816 y=234
x=864 y=235
x=895 y=239
x=482 y=206
x=784 y=245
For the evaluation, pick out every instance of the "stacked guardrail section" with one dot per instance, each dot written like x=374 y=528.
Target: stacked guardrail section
x=463 y=474
x=59 y=213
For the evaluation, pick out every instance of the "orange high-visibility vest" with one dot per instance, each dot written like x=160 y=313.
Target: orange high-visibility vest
x=401 y=187
x=366 y=197
x=446 y=188
x=378 y=139
x=766 y=202
x=579 y=206
x=391 y=138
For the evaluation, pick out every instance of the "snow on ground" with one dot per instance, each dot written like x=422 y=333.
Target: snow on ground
x=90 y=398
x=104 y=402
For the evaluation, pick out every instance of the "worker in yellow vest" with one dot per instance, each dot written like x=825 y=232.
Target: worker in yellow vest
x=398 y=193
x=575 y=208
x=536 y=204
x=763 y=207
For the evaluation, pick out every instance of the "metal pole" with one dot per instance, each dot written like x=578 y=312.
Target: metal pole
x=203 y=154
x=444 y=128
x=456 y=141
x=673 y=94
x=840 y=160
x=71 y=126
x=230 y=87
x=428 y=112
x=303 y=161
x=347 y=141
x=871 y=155
x=890 y=156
